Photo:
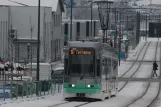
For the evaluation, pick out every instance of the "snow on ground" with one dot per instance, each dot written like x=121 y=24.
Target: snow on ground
x=123 y=67
x=123 y=97
x=153 y=89
x=143 y=72
x=132 y=54
x=134 y=68
x=149 y=96
x=150 y=39
x=150 y=54
x=47 y=101
x=131 y=91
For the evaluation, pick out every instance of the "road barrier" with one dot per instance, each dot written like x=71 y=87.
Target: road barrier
x=14 y=90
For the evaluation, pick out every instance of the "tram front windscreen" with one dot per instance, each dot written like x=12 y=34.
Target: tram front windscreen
x=81 y=62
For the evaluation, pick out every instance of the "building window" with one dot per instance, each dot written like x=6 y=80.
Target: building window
x=66 y=28
x=87 y=28
x=94 y=28
x=54 y=20
x=59 y=21
x=59 y=44
x=65 y=32
x=78 y=31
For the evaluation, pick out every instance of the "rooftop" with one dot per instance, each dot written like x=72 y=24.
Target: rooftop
x=45 y=3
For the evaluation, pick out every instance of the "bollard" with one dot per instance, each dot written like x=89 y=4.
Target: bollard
x=16 y=90
x=44 y=87
x=30 y=89
x=55 y=87
x=27 y=89
x=51 y=86
x=11 y=90
x=22 y=90
x=40 y=87
x=48 y=85
x=3 y=91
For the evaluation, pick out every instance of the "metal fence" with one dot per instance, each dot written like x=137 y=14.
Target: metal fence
x=14 y=90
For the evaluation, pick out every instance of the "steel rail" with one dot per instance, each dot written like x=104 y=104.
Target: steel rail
x=136 y=69
x=158 y=93
x=148 y=85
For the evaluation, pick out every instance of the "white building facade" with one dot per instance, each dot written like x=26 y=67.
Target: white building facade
x=4 y=22
x=24 y=20
x=81 y=29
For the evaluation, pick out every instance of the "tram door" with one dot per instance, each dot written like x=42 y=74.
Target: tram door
x=108 y=68
x=105 y=74
x=114 y=73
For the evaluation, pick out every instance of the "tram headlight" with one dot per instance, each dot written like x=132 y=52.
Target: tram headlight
x=73 y=85
x=88 y=86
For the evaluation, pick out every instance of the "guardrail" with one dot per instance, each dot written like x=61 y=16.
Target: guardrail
x=18 y=89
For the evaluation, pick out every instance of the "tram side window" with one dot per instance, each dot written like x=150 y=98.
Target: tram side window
x=98 y=67
x=108 y=61
x=105 y=66
x=115 y=64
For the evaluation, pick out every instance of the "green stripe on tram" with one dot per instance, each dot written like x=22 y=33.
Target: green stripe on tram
x=82 y=88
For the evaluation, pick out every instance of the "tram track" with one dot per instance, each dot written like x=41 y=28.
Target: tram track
x=158 y=93
x=128 y=69
x=137 y=67
x=55 y=105
x=64 y=104
x=135 y=61
x=86 y=103
x=147 y=87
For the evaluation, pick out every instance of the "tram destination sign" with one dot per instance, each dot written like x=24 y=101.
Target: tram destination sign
x=81 y=51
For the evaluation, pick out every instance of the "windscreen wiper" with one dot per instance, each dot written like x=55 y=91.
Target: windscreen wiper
x=83 y=76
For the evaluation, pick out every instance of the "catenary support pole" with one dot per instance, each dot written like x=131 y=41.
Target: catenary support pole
x=71 y=18
x=146 y=27
x=38 y=49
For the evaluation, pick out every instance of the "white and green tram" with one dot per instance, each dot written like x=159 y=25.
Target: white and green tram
x=91 y=70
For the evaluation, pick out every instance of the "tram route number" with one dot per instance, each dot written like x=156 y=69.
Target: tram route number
x=80 y=52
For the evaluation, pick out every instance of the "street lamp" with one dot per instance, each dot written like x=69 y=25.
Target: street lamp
x=28 y=52
x=71 y=17
x=103 y=25
x=38 y=48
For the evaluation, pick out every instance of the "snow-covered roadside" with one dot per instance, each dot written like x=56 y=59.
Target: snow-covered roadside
x=127 y=94
x=132 y=89
x=47 y=101
x=132 y=54
x=152 y=91
x=130 y=92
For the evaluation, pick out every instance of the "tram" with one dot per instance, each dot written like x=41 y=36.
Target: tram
x=91 y=70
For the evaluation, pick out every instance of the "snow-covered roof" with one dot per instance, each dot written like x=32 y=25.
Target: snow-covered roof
x=45 y=3
x=59 y=68
x=39 y=64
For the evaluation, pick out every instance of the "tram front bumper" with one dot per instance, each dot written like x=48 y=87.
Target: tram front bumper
x=82 y=93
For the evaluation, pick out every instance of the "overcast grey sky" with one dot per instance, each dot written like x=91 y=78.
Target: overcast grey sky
x=48 y=3
x=52 y=3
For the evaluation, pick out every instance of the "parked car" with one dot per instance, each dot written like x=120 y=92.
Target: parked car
x=57 y=75
x=23 y=89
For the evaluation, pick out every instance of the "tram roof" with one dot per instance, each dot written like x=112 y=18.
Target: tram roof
x=87 y=44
